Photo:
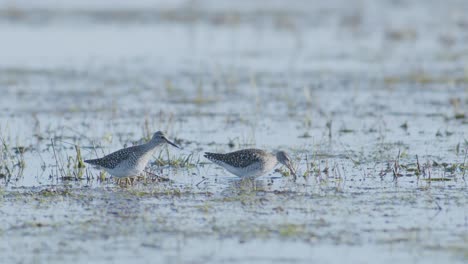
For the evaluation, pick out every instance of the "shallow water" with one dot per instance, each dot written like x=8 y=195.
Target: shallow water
x=390 y=77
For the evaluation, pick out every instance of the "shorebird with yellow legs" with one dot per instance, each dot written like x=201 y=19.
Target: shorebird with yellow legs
x=130 y=162
x=251 y=163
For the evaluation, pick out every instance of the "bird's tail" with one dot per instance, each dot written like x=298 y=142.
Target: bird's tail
x=92 y=161
x=214 y=157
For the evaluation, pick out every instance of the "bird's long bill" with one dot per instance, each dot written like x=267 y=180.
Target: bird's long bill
x=171 y=143
x=291 y=169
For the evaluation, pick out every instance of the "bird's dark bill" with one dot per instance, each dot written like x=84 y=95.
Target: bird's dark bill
x=171 y=143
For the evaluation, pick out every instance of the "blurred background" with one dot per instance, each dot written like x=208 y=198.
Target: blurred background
x=301 y=64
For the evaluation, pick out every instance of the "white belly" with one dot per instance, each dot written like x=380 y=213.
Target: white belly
x=252 y=171
x=127 y=169
x=123 y=172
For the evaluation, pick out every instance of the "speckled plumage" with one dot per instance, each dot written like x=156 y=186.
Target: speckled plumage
x=249 y=162
x=240 y=158
x=112 y=160
x=131 y=161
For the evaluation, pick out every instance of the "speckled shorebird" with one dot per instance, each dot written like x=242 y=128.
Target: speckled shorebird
x=250 y=163
x=131 y=161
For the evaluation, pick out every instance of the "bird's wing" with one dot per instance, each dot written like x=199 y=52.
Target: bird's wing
x=240 y=159
x=112 y=160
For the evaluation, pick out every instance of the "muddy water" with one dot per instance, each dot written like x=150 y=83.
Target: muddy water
x=370 y=98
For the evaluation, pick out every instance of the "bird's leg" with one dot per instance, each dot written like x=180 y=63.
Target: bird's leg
x=124 y=181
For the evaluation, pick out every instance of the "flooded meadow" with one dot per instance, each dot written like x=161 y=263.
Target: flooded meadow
x=369 y=98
